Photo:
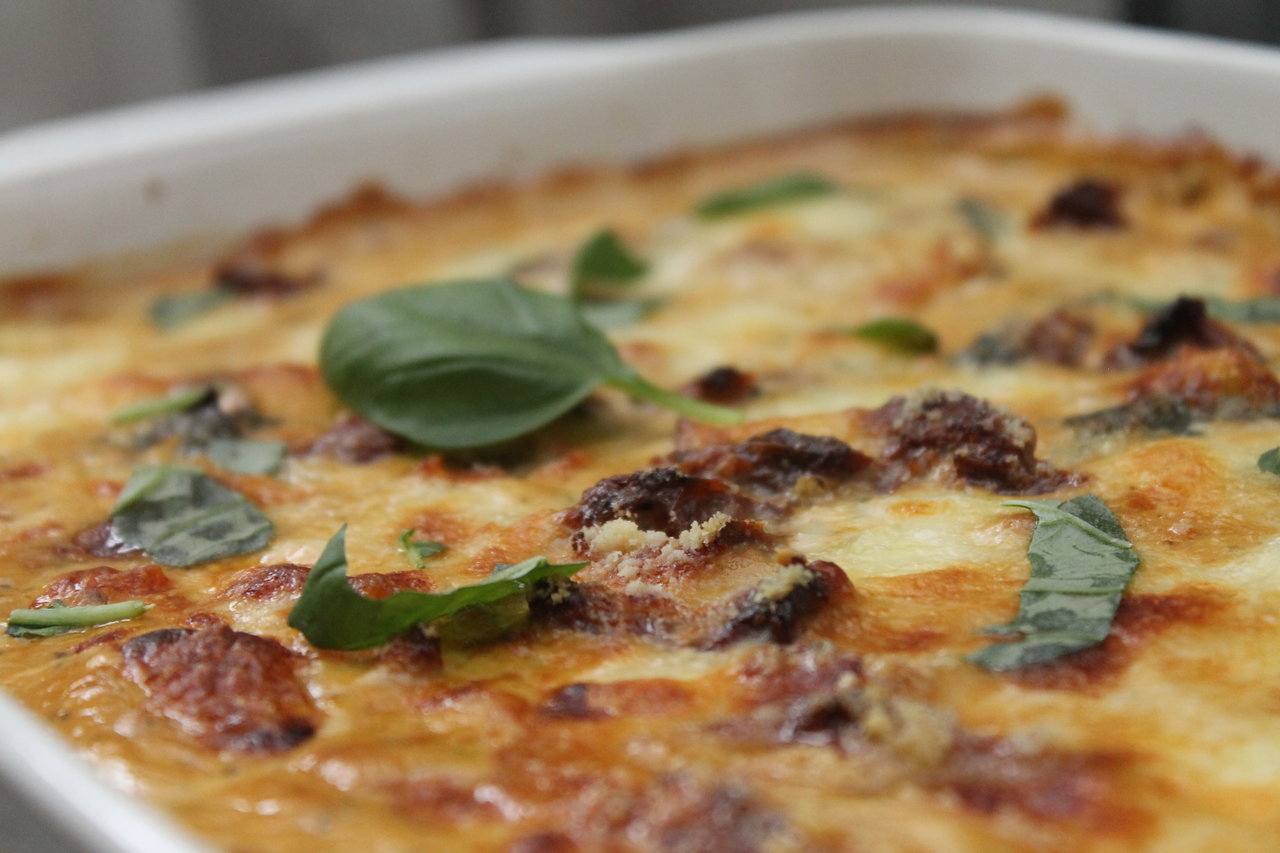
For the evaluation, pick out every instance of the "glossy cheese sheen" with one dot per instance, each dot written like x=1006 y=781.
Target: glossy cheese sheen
x=789 y=674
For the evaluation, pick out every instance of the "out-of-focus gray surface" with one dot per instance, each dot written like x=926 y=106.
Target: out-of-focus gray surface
x=59 y=57
x=33 y=836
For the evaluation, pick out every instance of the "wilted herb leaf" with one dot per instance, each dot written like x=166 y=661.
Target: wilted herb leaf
x=1156 y=413
x=1262 y=309
x=1259 y=309
x=169 y=312
x=246 y=455
x=984 y=218
x=332 y=615
x=1270 y=461
x=181 y=517
x=767 y=193
x=169 y=404
x=1081 y=562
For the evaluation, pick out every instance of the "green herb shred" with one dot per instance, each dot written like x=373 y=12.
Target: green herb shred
x=169 y=312
x=154 y=407
x=765 y=194
x=419 y=549
x=898 y=333
x=58 y=618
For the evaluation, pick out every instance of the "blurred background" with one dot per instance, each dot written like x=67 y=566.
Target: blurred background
x=60 y=57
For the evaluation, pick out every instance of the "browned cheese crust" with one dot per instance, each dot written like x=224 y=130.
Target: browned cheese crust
x=767 y=648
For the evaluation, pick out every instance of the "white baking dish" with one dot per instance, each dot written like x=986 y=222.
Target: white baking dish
x=222 y=162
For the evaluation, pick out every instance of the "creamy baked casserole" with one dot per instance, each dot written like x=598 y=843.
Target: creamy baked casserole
x=901 y=485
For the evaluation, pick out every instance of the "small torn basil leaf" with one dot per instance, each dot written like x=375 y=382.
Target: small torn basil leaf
x=154 y=407
x=473 y=363
x=898 y=333
x=602 y=271
x=419 y=549
x=1081 y=563
x=181 y=517
x=169 y=312
x=246 y=455
x=604 y=262
x=331 y=614
x=765 y=194
x=58 y=618
x=1269 y=462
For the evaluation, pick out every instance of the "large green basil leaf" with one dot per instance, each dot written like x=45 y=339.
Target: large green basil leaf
x=181 y=517
x=470 y=363
x=332 y=615
x=1081 y=562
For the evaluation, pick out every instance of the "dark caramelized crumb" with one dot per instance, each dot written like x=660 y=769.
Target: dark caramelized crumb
x=1087 y=203
x=984 y=445
x=724 y=385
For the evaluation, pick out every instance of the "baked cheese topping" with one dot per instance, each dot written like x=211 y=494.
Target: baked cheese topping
x=989 y=562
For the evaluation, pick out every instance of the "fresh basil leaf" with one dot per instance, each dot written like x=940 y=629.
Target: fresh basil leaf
x=604 y=262
x=473 y=363
x=988 y=220
x=765 y=194
x=58 y=618
x=1270 y=461
x=246 y=455
x=181 y=517
x=898 y=333
x=169 y=312
x=332 y=615
x=153 y=407
x=419 y=549
x=1081 y=562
